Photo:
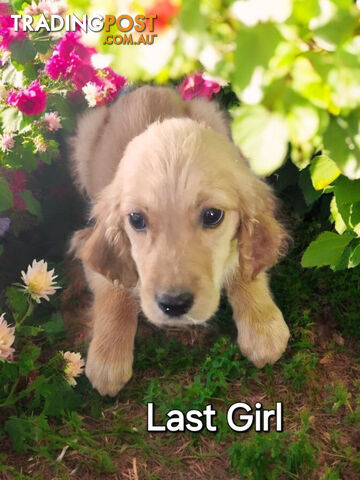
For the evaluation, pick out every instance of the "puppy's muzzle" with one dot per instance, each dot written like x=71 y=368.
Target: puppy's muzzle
x=175 y=305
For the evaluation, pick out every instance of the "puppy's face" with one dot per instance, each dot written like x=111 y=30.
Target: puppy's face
x=182 y=212
x=181 y=216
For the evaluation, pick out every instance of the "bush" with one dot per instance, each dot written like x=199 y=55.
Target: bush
x=294 y=68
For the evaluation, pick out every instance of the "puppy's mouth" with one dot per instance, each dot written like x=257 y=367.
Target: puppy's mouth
x=179 y=321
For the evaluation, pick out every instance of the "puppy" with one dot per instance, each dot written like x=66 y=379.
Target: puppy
x=178 y=216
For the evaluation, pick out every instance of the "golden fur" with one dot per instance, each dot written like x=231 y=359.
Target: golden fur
x=154 y=153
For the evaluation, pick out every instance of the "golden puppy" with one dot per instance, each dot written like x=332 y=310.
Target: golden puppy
x=178 y=216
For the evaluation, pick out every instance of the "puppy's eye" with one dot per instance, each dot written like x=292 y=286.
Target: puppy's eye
x=137 y=221
x=212 y=217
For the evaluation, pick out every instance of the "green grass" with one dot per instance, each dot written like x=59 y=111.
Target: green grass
x=314 y=380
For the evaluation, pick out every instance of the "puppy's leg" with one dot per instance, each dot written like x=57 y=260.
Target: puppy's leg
x=262 y=332
x=110 y=356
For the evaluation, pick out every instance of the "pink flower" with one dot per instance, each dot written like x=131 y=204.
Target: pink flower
x=53 y=121
x=111 y=84
x=6 y=142
x=56 y=67
x=71 y=44
x=47 y=7
x=4 y=57
x=71 y=60
x=7 y=32
x=197 y=85
x=17 y=184
x=30 y=101
x=17 y=181
x=104 y=88
x=40 y=144
x=82 y=75
x=74 y=366
x=4 y=8
x=7 y=338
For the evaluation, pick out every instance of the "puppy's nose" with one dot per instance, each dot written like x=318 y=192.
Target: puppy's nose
x=177 y=305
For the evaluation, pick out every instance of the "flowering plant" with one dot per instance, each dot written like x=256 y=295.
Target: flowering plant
x=34 y=379
x=44 y=81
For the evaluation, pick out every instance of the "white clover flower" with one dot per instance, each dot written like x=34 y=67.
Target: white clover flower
x=91 y=93
x=52 y=121
x=7 y=338
x=74 y=366
x=38 y=281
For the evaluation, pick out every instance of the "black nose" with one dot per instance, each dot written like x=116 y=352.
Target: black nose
x=177 y=305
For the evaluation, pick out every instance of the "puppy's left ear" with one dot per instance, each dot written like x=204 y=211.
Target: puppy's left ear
x=262 y=239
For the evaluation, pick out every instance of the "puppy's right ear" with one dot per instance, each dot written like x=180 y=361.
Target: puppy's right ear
x=106 y=253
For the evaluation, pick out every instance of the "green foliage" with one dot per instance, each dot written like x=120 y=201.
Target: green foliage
x=339 y=397
x=294 y=68
x=272 y=456
x=325 y=250
x=300 y=368
x=6 y=198
x=23 y=51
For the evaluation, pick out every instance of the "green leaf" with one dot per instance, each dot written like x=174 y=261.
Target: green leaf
x=12 y=76
x=350 y=214
x=54 y=328
x=354 y=256
x=26 y=432
x=325 y=250
x=32 y=204
x=6 y=196
x=28 y=157
x=41 y=42
x=350 y=257
x=1 y=249
x=323 y=171
x=11 y=119
x=344 y=77
x=29 y=72
x=340 y=225
x=191 y=19
x=27 y=358
x=338 y=29
x=17 y=4
x=19 y=431
x=342 y=141
x=60 y=398
x=305 y=10
x=262 y=137
x=30 y=331
x=309 y=193
x=22 y=51
x=254 y=48
x=304 y=122
x=347 y=191
x=308 y=82
x=17 y=302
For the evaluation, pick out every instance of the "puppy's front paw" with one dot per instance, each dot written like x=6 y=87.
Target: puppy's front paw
x=263 y=341
x=107 y=375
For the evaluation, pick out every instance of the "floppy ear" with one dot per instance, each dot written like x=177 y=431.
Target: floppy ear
x=106 y=252
x=262 y=239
